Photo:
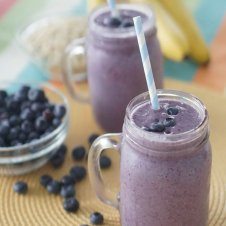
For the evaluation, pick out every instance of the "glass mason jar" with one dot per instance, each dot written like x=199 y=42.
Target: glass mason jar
x=164 y=178
x=114 y=68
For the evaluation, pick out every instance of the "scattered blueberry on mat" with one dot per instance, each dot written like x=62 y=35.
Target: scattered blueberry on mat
x=78 y=173
x=20 y=187
x=58 y=158
x=92 y=138
x=45 y=180
x=67 y=180
x=54 y=187
x=172 y=111
x=67 y=191
x=96 y=218
x=105 y=162
x=78 y=153
x=71 y=205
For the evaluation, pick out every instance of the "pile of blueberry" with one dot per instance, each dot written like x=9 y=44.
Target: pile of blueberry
x=65 y=187
x=160 y=126
x=27 y=115
x=117 y=22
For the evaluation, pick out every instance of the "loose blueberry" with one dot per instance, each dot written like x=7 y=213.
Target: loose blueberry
x=57 y=161
x=54 y=187
x=26 y=127
x=62 y=150
x=36 y=95
x=127 y=23
x=92 y=138
x=169 y=122
x=78 y=153
x=45 y=180
x=112 y=22
x=67 y=191
x=105 y=162
x=27 y=114
x=71 y=205
x=172 y=111
x=67 y=180
x=156 y=127
x=41 y=124
x=20 y=187
x=59 y=111
x=56 y=122
x=96 y=218
x=14 y=120
x=78 y=173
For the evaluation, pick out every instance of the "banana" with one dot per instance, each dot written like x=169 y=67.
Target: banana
x=198 y=49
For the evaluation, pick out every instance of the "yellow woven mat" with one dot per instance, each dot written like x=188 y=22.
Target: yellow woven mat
x=40 y=208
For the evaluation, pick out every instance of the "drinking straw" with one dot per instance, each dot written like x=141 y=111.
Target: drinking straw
x=112 y=6
x=146 y=62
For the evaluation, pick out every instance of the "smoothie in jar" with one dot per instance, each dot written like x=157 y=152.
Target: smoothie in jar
x=165 y=162
x=115 y=72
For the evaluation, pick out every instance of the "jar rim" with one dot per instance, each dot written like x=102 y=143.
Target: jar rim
x=184 y=137
x=148 y=25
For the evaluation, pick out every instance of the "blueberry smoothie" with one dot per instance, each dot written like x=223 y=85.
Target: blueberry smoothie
x=165 y=162
x=115 y=72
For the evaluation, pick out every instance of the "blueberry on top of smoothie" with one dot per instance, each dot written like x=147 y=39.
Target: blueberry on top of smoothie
x=172 y=111
x=112 y=22
x=156 y=127
x=127 y=23
x=169 y=122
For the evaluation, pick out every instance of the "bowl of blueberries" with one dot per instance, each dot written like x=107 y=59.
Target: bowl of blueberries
x=33 y=125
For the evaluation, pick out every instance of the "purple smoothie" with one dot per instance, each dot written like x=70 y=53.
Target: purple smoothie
x=165 y=176
x=115 y=72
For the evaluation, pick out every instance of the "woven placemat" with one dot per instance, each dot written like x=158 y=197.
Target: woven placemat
x=40 y=208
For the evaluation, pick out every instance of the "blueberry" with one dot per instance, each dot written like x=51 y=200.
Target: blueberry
x=13 y=133
x=62 y=150
x=22 y=137
x=78 y=153
x=113 y=22
x=105 y=162
x=67 y=180
x=67 y=191
x=49 y=106
x=4 y=130
x=49 y=130
x=26 y=127
x=13 y=105
x=172 y=111
x=78 y=173
x=37 y=107
x=169 y=122
x=33 y=136
x=36 y=95
x=56 y=122
x=92 y=138
x=25 y=104
x=41 y=124
x=24 y=89
x=57 y=161
x=14 y=120
x=20 y=97
x=15 y=143
x=59 y=111
x=156 y=127
x=47 y=115
x=96 y=218
x=54 y=187
x=71 y=205
x=2 y=142
x=3 y=94
x=4 y=115
x=27 y=114
x=45 y=180
x=127 y=23
x=20 y=187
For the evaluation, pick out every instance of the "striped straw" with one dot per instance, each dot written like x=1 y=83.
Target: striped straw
x=112 y=6
x=146 y=62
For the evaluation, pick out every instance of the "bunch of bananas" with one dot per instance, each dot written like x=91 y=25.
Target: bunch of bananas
x=178 y=33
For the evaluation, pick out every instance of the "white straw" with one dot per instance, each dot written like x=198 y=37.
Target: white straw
x=146 y=62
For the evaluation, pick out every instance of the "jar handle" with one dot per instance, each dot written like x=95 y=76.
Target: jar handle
x=74 y=49
x=107 y=141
